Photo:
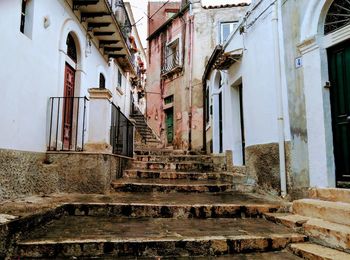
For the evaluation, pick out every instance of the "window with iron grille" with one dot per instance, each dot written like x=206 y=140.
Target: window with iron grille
x=338 y=16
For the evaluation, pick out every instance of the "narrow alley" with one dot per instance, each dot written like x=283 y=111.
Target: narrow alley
x=175 y=129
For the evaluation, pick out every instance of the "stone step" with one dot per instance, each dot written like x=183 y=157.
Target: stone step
x=276 y=255
x=167 y=152
x=168 y=174
x=180 y=166
x=337 y=212
x=287 y=219
x=330 y=194
x=181 y=158
x=110 y=236
x=312 y=251
x=163 y=185
x=320 y=231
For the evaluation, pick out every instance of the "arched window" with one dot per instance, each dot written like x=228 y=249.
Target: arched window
x=71 y=48
x=102 y=81
x=338 y=16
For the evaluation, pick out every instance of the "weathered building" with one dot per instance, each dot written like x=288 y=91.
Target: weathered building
x=66 y=88
x=276 y=95
x=178 y=51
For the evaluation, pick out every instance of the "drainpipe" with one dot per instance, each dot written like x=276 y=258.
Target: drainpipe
x=190 y=81
x=278 y=83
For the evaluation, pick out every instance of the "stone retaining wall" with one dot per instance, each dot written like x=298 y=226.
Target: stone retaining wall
x=30 y=173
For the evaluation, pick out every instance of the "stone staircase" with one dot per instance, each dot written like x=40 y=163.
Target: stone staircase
x=145 y=136
x=173 y=204
x=325 y=219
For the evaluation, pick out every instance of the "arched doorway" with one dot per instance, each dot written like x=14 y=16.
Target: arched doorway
x=69 y=91
x=338 y=16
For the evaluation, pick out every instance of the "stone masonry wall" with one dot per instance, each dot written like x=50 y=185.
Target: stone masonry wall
x=262 y=163
x=30 y=173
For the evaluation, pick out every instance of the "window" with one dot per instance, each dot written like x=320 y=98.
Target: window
x=337 y=16
x=120 y=79
x=71 y=48
x=172 y=56
x=169 y=100
x=226 y=29
x=27 y=12
x=23 y=15
x=102 y=81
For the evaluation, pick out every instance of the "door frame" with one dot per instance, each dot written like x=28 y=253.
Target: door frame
x=331 y=52
x=166 y=112
x=67 y=146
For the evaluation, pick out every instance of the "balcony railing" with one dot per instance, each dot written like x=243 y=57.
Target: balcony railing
x=122 y=133
x=171 y=62
x=67 y=122
x=123 y=19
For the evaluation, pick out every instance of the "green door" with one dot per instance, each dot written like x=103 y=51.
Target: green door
x=339 y=68
x=169 y=121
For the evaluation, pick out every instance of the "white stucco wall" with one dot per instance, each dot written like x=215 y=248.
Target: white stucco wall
x=32 y=70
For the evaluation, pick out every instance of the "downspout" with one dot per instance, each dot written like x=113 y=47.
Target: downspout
x=278 y=83
x=190 y=81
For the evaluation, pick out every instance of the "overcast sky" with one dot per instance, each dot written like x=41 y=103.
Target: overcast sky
x=139 y=8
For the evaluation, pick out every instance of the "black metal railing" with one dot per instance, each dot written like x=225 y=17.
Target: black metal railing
x=122 y=133
x=171 y=62
x=67 y=122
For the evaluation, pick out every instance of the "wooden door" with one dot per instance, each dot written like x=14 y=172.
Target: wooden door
x=68 y=102
x=339 y=68
x=169 y=121
x=240 y=89
x=221 y=133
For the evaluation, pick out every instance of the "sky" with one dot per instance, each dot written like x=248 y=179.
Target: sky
x=139 y=8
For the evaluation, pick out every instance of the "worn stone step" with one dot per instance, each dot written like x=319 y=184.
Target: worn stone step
x=163 y=185
x=276 y=255
x=330 y=194
x=287 y=219
x=168 y=174
x=85 y=236
x=328 y=233
x=181 y=166
x=181 y=158
x=168 y=152
x=320 y=231
x=337 y=212
x=313 y=251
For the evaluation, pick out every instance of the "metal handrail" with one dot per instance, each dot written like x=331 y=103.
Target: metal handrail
x=57 y=127
x=170 y=62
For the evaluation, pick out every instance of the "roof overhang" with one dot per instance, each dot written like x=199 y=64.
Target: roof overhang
x=221 y=60
x=226 y=59
x=104 y=30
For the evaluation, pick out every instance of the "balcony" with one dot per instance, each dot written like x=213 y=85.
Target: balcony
x=172 y=64
x=108 y=27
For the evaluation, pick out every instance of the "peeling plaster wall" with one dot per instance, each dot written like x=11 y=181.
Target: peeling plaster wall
x=206 y=31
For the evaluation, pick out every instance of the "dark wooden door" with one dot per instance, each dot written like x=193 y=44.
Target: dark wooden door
x=339 y=68
x=221 y=134
x=240 y=89
x=169 y=121
x=69 y=82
